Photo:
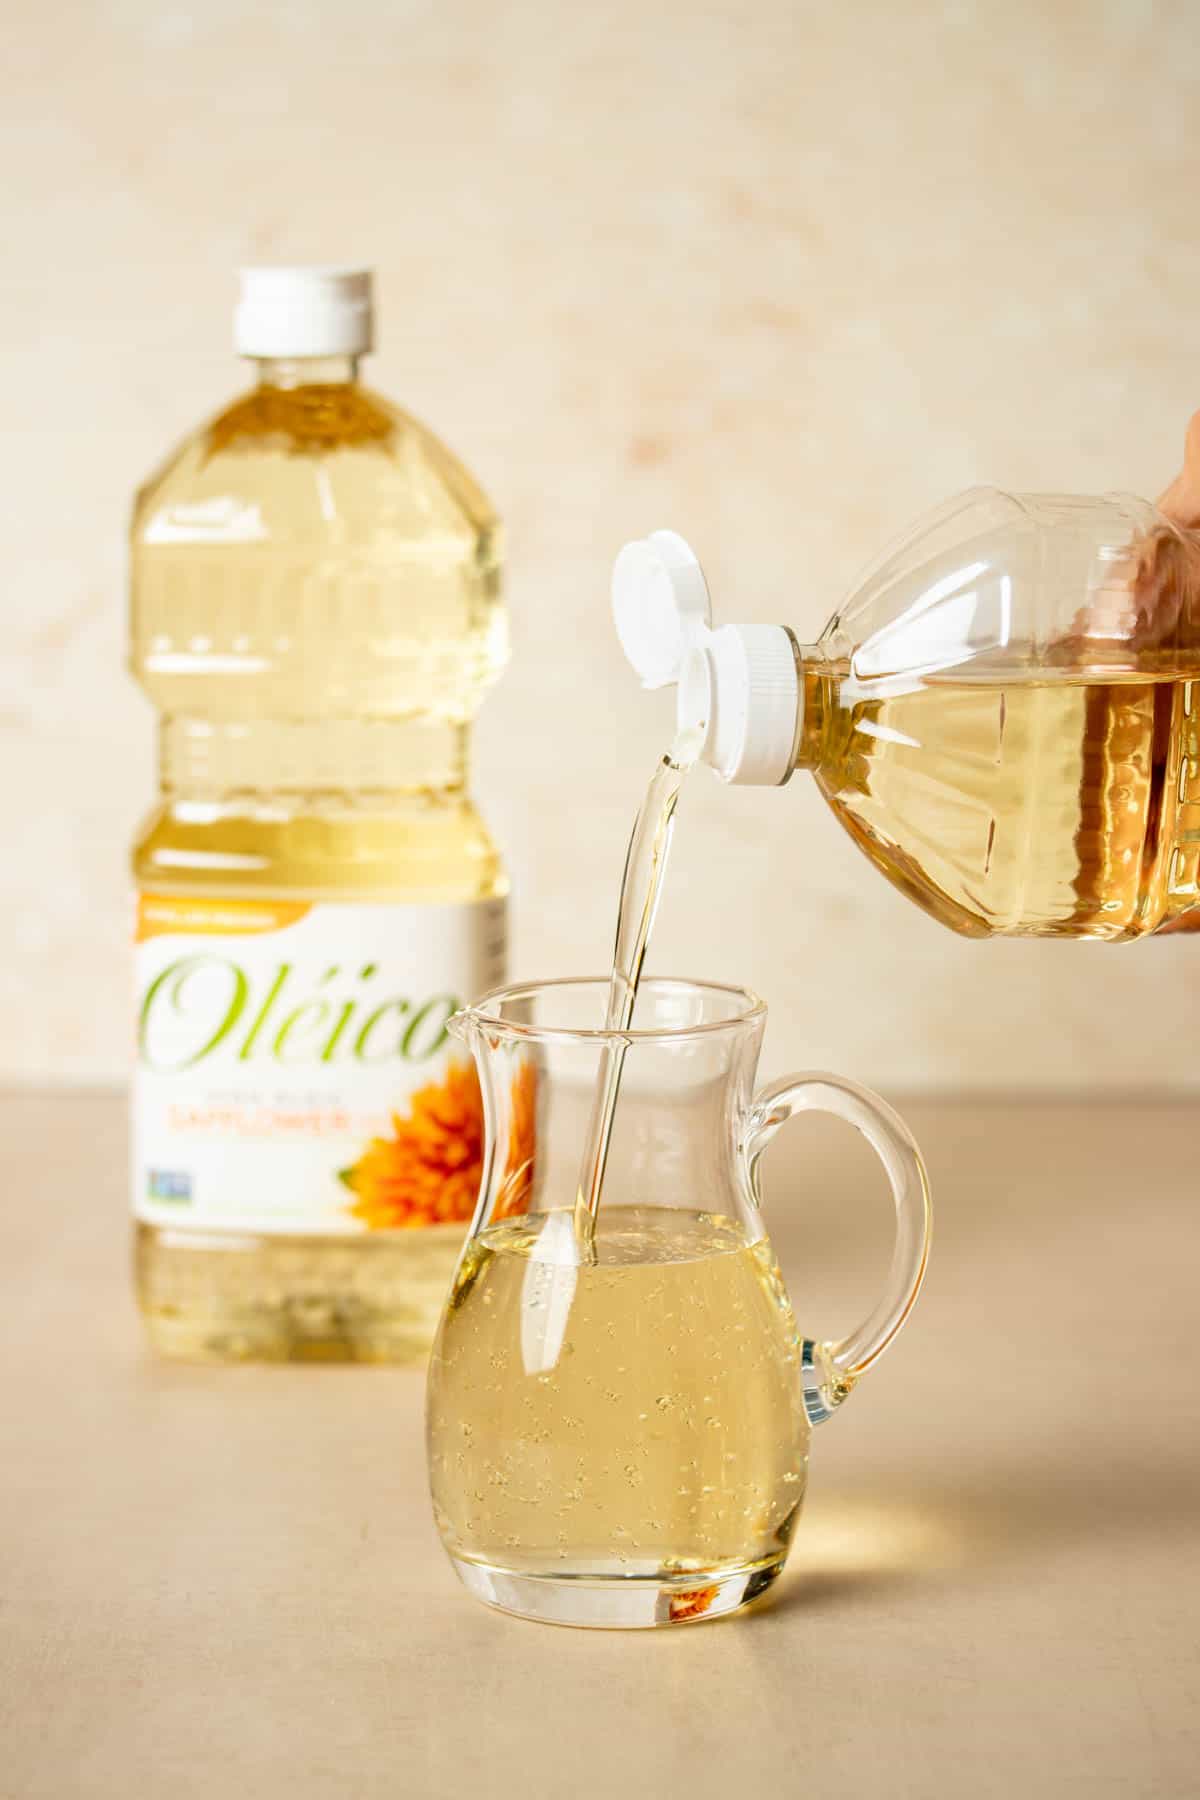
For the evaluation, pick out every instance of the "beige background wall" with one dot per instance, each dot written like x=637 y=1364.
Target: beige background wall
x=777 y=274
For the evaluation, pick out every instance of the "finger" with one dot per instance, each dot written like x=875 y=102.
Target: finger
x=1181 y=501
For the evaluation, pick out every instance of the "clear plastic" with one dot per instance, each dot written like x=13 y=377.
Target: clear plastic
x=1021 y=585
x=619 y=1421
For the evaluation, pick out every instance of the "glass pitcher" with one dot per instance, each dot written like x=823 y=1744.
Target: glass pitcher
x=1004 y=715
x=618 y=1424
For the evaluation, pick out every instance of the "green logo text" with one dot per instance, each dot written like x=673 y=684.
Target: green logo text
x=204 y=1003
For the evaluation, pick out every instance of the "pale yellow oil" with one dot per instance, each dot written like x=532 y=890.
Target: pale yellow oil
x=1057 y=806
x=636 y=1415
x=316 y=614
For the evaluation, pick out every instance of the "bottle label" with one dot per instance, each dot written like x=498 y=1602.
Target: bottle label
x=294 y=1072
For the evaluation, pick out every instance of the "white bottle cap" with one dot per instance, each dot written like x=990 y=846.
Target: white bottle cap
x=304 y=312
x=738 y=690
x=739 y=694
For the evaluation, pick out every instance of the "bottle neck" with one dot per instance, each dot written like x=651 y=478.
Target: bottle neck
x=227 y=761
x=815 y=711
x=305 y=371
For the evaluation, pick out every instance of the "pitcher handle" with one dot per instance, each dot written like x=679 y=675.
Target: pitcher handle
x=829 y=1371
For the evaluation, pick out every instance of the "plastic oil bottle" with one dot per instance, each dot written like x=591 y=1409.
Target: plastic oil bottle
x=316 y=615
x=1004 y=715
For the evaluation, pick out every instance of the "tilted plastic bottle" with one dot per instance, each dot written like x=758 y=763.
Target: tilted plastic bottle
x=316 y=615
x=1004 y=715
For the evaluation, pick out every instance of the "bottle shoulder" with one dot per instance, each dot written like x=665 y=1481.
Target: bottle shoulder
x=312 y=461
x=414 y=849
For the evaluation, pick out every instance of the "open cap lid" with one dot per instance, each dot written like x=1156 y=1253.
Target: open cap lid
x=660 y=604
x=738 y=690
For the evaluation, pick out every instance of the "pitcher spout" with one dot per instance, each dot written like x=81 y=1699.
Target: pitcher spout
x=463 y=1026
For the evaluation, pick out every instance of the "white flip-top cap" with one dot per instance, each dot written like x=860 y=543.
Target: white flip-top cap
x=304 y=312
x=738 y=689
x=660 y=601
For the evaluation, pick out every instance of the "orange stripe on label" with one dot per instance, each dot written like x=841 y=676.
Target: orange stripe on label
x=161 y=914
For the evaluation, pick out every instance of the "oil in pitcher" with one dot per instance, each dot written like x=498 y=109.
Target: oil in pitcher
x=665 y=1432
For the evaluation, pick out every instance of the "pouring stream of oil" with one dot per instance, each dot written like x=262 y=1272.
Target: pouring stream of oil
x=641 y=890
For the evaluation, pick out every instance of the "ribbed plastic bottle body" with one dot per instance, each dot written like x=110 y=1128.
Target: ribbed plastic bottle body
x=316 y=615
x=1006 y=717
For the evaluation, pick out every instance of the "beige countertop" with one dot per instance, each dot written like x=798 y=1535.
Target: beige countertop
x=226 y=1581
